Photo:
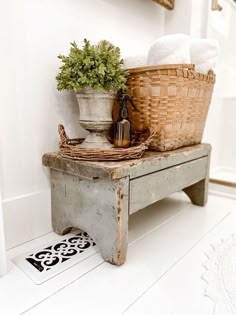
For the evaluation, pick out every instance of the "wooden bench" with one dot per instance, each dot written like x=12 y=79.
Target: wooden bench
x=98 y=197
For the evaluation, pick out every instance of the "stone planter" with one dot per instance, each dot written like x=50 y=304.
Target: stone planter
x=96 y=116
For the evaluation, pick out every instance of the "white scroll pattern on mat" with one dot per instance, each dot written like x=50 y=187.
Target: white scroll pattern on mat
x=220 y=275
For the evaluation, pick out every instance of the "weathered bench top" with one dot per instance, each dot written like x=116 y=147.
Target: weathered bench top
x=149 y=163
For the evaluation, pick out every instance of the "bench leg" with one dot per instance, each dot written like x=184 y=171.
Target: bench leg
x=98 y=207
x=198 y=193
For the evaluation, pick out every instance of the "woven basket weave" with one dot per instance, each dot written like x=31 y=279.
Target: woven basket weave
x=70 y=148
x=174 y=100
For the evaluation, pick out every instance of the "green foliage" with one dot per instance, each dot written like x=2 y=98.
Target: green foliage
x=97 y=66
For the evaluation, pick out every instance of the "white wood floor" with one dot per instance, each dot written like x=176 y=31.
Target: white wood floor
x=162 y=274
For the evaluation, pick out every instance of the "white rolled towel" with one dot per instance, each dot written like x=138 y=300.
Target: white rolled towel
x=135 y=61
x=204 y=54
x=205 y=67
x=170 y=49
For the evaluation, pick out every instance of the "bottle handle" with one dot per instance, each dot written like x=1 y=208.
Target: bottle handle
x=124 y=98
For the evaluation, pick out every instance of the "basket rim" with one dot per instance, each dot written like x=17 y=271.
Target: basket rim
x=190 y=68
x=187 y=66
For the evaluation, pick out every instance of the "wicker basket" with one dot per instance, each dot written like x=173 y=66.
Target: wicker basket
x=173 y=99
x=69 y=148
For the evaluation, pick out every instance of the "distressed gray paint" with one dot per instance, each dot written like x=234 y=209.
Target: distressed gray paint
x=99 y=207
x=198 y=192
x=99 y=196
x=153 y=187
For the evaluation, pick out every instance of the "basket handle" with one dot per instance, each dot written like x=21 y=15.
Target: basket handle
x=211 y=76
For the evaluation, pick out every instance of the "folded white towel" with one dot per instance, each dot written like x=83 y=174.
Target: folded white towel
x=135 y=61
x=204 y=53
x=170 y=49
x=205 y=67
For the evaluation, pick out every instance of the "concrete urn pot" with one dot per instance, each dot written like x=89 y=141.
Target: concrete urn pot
x=96 y=116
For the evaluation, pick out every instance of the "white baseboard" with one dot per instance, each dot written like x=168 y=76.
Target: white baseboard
x=215 y=170
x=224 y=173
x=223 y=168
x=222 y=190
x=26 y=217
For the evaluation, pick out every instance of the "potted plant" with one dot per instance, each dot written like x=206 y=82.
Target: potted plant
x=95 y=73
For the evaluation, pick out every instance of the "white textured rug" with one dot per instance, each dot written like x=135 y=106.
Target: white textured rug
x=49 y=260
x=220 y=276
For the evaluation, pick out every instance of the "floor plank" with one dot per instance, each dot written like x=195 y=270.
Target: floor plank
x=18 y=293
x=181 y=291
x=111 y=290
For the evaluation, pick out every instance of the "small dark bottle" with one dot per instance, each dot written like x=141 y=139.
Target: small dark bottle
x=122 y=132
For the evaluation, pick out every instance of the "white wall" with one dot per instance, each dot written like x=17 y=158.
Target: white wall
x=228 y=130
x=34 y=33
x=3 y=262
x=179 y=19
x=221 y=128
